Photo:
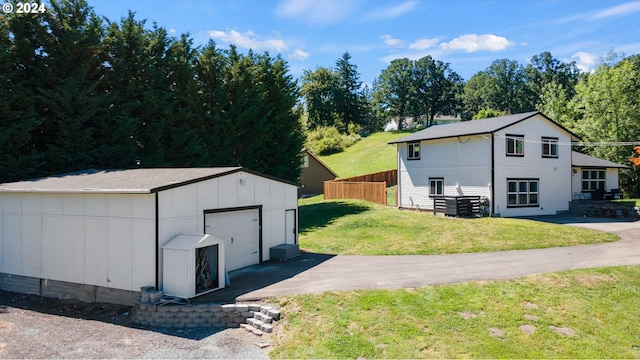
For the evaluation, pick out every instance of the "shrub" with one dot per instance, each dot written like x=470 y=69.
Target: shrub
x=327 y=140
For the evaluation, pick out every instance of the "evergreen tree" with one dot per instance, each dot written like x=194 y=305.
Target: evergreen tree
x=348 y=98
x=71 y=92
x=21 y=67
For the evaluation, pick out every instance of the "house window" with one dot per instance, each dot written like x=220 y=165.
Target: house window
x=305 y=161
x=549 y=147
x=515 y=145
x=522 y=192
x=414 y=151
x=593 y=179
x=436 y=186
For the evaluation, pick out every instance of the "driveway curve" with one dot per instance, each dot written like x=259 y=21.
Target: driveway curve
x=412 y=271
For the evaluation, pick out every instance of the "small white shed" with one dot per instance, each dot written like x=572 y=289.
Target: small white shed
x=193 y=265
x=98 y=235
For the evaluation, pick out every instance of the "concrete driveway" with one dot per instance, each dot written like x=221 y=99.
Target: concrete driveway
x=316 y=273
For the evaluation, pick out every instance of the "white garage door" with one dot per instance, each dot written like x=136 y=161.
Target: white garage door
x=241 y=231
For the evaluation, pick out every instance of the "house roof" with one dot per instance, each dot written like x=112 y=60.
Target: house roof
x=130 y=181
x=583 y=160
x=319 y=161
x=475 y=127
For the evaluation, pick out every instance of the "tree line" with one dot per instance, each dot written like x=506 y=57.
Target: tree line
x=81 y=92
x=601 y=107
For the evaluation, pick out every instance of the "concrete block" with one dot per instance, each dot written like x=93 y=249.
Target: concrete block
x=242 y=307
x=254 y=307
x=275 y=314
x=228 y=307
x=284 y=252
x=266 y=327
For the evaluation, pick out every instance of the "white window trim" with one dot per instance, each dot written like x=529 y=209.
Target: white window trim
x=436 y=181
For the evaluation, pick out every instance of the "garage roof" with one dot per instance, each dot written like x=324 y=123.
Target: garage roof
x=131 y=181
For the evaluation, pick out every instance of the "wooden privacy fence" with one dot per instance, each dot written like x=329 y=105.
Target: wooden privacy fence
x=389 y=176
x=370 y=191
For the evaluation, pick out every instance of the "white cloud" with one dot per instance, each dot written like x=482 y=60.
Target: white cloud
x=317 y=12
x=619 y=10
x=422 y=44
x=391 y=41
x=172 y=31
x=248 y=40
x=474 y=43
x=391 y=12
x=299 y=54
x=585 y=61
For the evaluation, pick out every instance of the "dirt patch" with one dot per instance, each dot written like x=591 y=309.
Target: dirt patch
x=593 y=279
x=495 y=332
x=527 y=329
x=467 y=314
x=562 y=330
x=531 y=317
x=530 y=305
x=36 y=328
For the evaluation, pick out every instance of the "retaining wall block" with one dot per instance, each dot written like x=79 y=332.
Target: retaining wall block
x=242 y=307
x=275 y=314
x=228 y=307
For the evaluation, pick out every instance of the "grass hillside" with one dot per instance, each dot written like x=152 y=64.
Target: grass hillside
x=369 y=155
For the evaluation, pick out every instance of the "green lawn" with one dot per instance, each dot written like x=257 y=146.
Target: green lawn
x=370 y=154
x=576 y=314
x=352 y=227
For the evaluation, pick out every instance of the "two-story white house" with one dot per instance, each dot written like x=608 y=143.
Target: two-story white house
x=521 y=162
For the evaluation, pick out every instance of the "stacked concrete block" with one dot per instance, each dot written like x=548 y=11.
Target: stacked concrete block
x=202 y=315
x=263 y=320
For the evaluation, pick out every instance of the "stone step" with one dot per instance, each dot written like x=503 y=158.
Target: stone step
x=264 y=318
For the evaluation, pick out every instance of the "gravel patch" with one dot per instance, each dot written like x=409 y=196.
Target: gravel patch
x=36 y=328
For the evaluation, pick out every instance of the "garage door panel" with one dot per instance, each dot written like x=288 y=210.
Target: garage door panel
x=241 y=231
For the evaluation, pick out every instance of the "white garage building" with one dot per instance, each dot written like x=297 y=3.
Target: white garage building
x=99 y=235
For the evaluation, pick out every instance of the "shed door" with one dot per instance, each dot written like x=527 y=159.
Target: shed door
x=240 y=230
x=290 y=227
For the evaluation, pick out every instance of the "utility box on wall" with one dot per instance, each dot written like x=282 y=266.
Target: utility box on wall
x=193 y=265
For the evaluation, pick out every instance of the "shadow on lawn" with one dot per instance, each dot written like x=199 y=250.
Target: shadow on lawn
x=322 y=214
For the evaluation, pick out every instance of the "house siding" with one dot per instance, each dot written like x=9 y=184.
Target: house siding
x=313 y=177
x=464 y=163
x=554 y=174
x=611 y=182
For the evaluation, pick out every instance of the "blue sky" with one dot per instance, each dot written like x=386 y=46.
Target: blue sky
x=465 y=33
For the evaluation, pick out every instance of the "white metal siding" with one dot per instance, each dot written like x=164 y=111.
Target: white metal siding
x=554 y=174
x=80 y=238
x=240 y=231
x=227 y=192
x=464 y=163
x=180 y=279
